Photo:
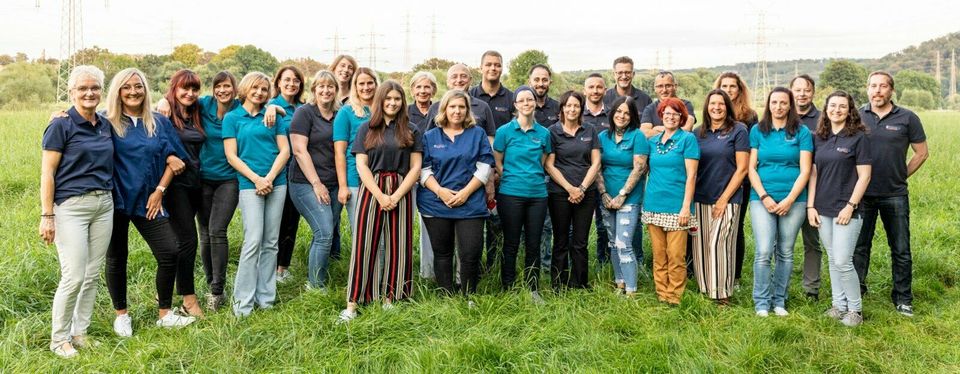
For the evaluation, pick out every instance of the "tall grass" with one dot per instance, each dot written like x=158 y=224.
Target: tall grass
x=594 y=330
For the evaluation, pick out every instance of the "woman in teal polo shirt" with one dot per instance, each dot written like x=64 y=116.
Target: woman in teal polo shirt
x=259 y=154
x=668 y=205
x=781 y=152
x=520 y=149
x=288 y=86
x=345 y=127
x=623 y=160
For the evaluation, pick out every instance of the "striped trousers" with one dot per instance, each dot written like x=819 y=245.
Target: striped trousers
x=715 y=250
x=388 y=275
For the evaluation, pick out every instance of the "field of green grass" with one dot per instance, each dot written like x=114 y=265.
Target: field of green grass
x=592 y=331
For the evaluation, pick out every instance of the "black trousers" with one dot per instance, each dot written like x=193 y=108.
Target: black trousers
x=744 y=200
x=570 y=218
x=445 y=234
x=183 y=205
x=219 y=203
x=289 y=222
x=162 y=241
x=521 y=215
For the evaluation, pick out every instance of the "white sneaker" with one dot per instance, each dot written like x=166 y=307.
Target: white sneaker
x=64 y=350
x=283 y=276
x=174 y=320
x=780 y=312
x=346 y=315
x=387 y=306
x=762 y=313
x=536 y=298
x=123 y=326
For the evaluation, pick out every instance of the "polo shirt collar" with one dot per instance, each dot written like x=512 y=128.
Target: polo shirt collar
x=603 y=110
x=263 y=111
x=869 y=108
x=559 y=130
x=812 y=113
x=75 y=116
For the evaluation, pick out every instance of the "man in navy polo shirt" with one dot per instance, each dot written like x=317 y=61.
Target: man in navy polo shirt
x=623 y=73
x=891 y=130
x=803 y=92
x=491 y=90
x=665 y=86
x=595 y=114
x=547 y=111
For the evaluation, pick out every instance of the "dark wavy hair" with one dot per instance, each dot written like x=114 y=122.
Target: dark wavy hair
x=378 y=121
x=728 y=122
x=631 y=109
x=179 y=114
x=563 y=101
x=298 y=98
x=851 y=126
x=793 y=119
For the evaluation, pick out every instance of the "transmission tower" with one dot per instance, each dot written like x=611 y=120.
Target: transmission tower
x=406 y=43
x=761 y=76
x=433 y=35
x=336 y=43
x=372 y=48
x=71 y=40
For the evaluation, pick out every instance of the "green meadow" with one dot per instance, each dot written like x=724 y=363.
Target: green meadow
x=575 y=331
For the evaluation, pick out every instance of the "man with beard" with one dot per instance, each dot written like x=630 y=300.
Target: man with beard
x=491 y=90
x=891 y=129
x=803 y=91
x=623 y=74
x=595 y=114
x=547 y=111
x=665 y=86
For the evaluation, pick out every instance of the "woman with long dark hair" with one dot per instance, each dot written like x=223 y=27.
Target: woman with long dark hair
x=838 y=181
x=724 y=153
x=781 y=152
x=388 y=153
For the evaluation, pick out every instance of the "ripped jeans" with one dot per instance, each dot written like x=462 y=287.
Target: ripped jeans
x=621 y=226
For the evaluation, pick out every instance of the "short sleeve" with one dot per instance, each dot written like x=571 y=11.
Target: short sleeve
x=755 y=137
x=500 y=141
x=640 y=145
x=417 y=139
x=806 y=140
x=171 y=138
x=740 y=141
x=300 y=124
x=230 y=123
x=863 y=151
x=427 y=158
x=358 y=146
x=648 y=113
x=341 y=124
x=915 y=130
x=545 y=136
x=553 y=141
x=691 y=149
x=595 y=142
x=690 y=111
x=283 y=125
x=490 y=125
x=206 y=102
x=485 y=153
x=55 y=136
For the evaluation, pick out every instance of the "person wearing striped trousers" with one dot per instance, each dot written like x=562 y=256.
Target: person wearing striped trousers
x=389 y=152
x=724 y=153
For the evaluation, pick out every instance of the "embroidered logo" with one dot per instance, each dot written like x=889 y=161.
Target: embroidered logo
x=500 y=108
x=892 y=128
x=439 y=146
x=843 y=149
x=586 y=138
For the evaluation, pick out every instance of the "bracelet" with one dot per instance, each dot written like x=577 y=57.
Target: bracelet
x=51 y=215
x=764 y=197
x=162 y=189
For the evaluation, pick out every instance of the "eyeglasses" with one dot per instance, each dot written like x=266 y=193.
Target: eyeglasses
x=92 y=89
x=670 y=114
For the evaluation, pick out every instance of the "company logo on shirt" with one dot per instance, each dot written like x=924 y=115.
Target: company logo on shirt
x=586 y=138
x=439 y=146
x=724 y=136
x=535 y=139
x=843 y=149
x=551 y=118
x=892 y=128
x=500 y=108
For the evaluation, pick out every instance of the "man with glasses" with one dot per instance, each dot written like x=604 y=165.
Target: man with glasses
x=665 y=86
x=623 y=76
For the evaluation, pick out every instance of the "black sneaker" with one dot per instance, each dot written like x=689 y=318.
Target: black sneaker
x=905 y=309
x=813 y=296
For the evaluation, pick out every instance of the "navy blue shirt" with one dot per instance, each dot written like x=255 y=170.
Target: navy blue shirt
x=836 y=158
x=718 y=162
x=478 y=108
x=649 y=114
x=890 y=137
x=501 y=103
x=416 y=117
x=86 y=154
x=140 y=161
x=308 y=121
x=600 y=121
x=388 y=156
x=640 y=98
x=453 y=163
x=549 y=112
x=572 y=155
x=811 y=119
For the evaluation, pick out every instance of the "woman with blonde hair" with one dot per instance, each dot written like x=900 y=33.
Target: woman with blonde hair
x=343 y=67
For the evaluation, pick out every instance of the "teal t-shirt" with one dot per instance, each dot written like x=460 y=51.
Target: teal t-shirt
x=668 y=171
x=345 y=126
x=256 y=143
x=617 y=162
x=213 y=162
x=523 y=174
x=778 y=160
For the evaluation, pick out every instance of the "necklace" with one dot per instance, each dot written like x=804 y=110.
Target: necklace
x=619 y=131
x=665 y=147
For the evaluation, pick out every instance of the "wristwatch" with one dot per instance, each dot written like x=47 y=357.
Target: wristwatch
x=622 y=192
x=855 y=206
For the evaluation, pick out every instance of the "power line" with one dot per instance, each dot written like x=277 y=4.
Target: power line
x=71 y=40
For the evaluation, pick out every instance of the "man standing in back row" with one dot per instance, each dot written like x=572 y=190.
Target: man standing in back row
x=623 y=85
x=491 y=90
x=891 y=130
x=546 y=113
x=595 y=114
x=803 y=90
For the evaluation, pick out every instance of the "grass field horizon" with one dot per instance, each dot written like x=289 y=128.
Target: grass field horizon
x=582 y=331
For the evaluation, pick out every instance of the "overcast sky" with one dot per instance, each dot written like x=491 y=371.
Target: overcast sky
x=574 y=34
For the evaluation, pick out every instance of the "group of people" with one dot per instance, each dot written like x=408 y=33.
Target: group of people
x=480 y=163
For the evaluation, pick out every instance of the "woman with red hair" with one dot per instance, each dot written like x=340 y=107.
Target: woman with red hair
x=668 y=202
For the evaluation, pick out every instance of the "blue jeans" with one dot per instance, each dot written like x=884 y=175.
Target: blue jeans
x=256 y=280
x=840 y=240
x=775 y=236
x=320 y=218
x=622 y=230
x=895 y=213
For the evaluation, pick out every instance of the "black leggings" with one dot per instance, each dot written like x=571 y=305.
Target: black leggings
x=568 y=217
x=521 y=215
x=445 y=234
x=216 y=211
x=183 y=204
x=289 y=222
x=162 y=241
